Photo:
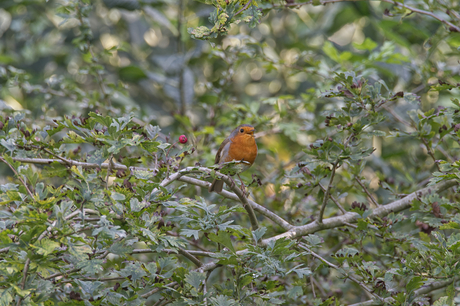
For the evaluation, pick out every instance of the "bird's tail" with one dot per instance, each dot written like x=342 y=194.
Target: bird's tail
x=216 y=185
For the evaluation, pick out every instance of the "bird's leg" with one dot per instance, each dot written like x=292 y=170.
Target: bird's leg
x=243 y=187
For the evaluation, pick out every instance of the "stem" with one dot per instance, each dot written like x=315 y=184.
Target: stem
x=326 y=194
x=354 y=279
x=367 y=192
x=244 y=7
x=430 y=152
x=109 y=169
x=19 y=177
x=334 y=200
x=24 y=277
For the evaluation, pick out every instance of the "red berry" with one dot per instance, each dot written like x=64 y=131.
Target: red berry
x=183 y=139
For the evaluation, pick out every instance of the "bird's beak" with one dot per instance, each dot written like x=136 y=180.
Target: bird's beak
x=252 y=132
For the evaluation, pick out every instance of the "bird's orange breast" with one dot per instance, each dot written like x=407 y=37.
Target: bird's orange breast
x=242 y=147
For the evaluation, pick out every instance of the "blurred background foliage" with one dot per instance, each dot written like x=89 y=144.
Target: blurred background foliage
x=287 y=69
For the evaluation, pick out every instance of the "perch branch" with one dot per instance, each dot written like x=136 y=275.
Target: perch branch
x=230 y=195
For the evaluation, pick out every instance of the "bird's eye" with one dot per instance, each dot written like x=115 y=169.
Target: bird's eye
x=242 y=130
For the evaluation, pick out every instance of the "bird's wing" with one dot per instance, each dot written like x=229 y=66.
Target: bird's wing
x=223 y=151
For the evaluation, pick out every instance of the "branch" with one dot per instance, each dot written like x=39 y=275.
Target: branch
x=324 y=190
x=350 y=217
x=19 y=177
x=367 y=192
x=244 y=7
x=354 y=279
x=230 y=195
x=452 y=27
x=423 y=290
x=326 y=194
x=430 y=152
x=24 y=277
x=69 y=162
x=173 y=177
x=170 y=251
x=435 y=285
x=176 y=176
x=192 y=258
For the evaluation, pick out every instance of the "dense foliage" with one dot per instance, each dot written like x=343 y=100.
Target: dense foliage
x=353 y=196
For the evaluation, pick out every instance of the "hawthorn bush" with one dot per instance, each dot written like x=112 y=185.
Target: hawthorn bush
x=353 y=196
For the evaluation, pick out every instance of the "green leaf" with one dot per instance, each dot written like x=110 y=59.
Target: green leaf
x=190 y=232
x=222 y=238
x=55 y=169
x=6 y=298
x=331 y=51
x=195 y=279
x=134 y=270
x=116 y=196
x=91 y=267
x=258 y=233
x=367 y=44
x=89 y=288
x=45 y=246
x=222 y=300
x=313 y=240
x=136 y=205
x=132 y=74
x=415 y=283
x=295 y=292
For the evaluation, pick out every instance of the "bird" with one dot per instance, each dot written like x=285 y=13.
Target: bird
x=239 y=146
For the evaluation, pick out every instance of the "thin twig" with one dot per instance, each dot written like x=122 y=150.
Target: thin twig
x=109 y=169
x=24 y=277
x=192 y=258
x=326 y=194
x=320 y=288
x=19 y=177
x=430 y=152
x=445 y=153
x=177 y=175
x=396 y=116
x=367 y=192
x=230 y=195
x=244 y=7
x=354 y=279
x=333 y=199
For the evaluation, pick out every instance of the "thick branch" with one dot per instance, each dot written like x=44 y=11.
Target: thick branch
x=423 y=290
x=230 y=195
x=175 y=176
x=351 y=217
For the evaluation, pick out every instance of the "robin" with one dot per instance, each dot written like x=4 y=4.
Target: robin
x=239 y=146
